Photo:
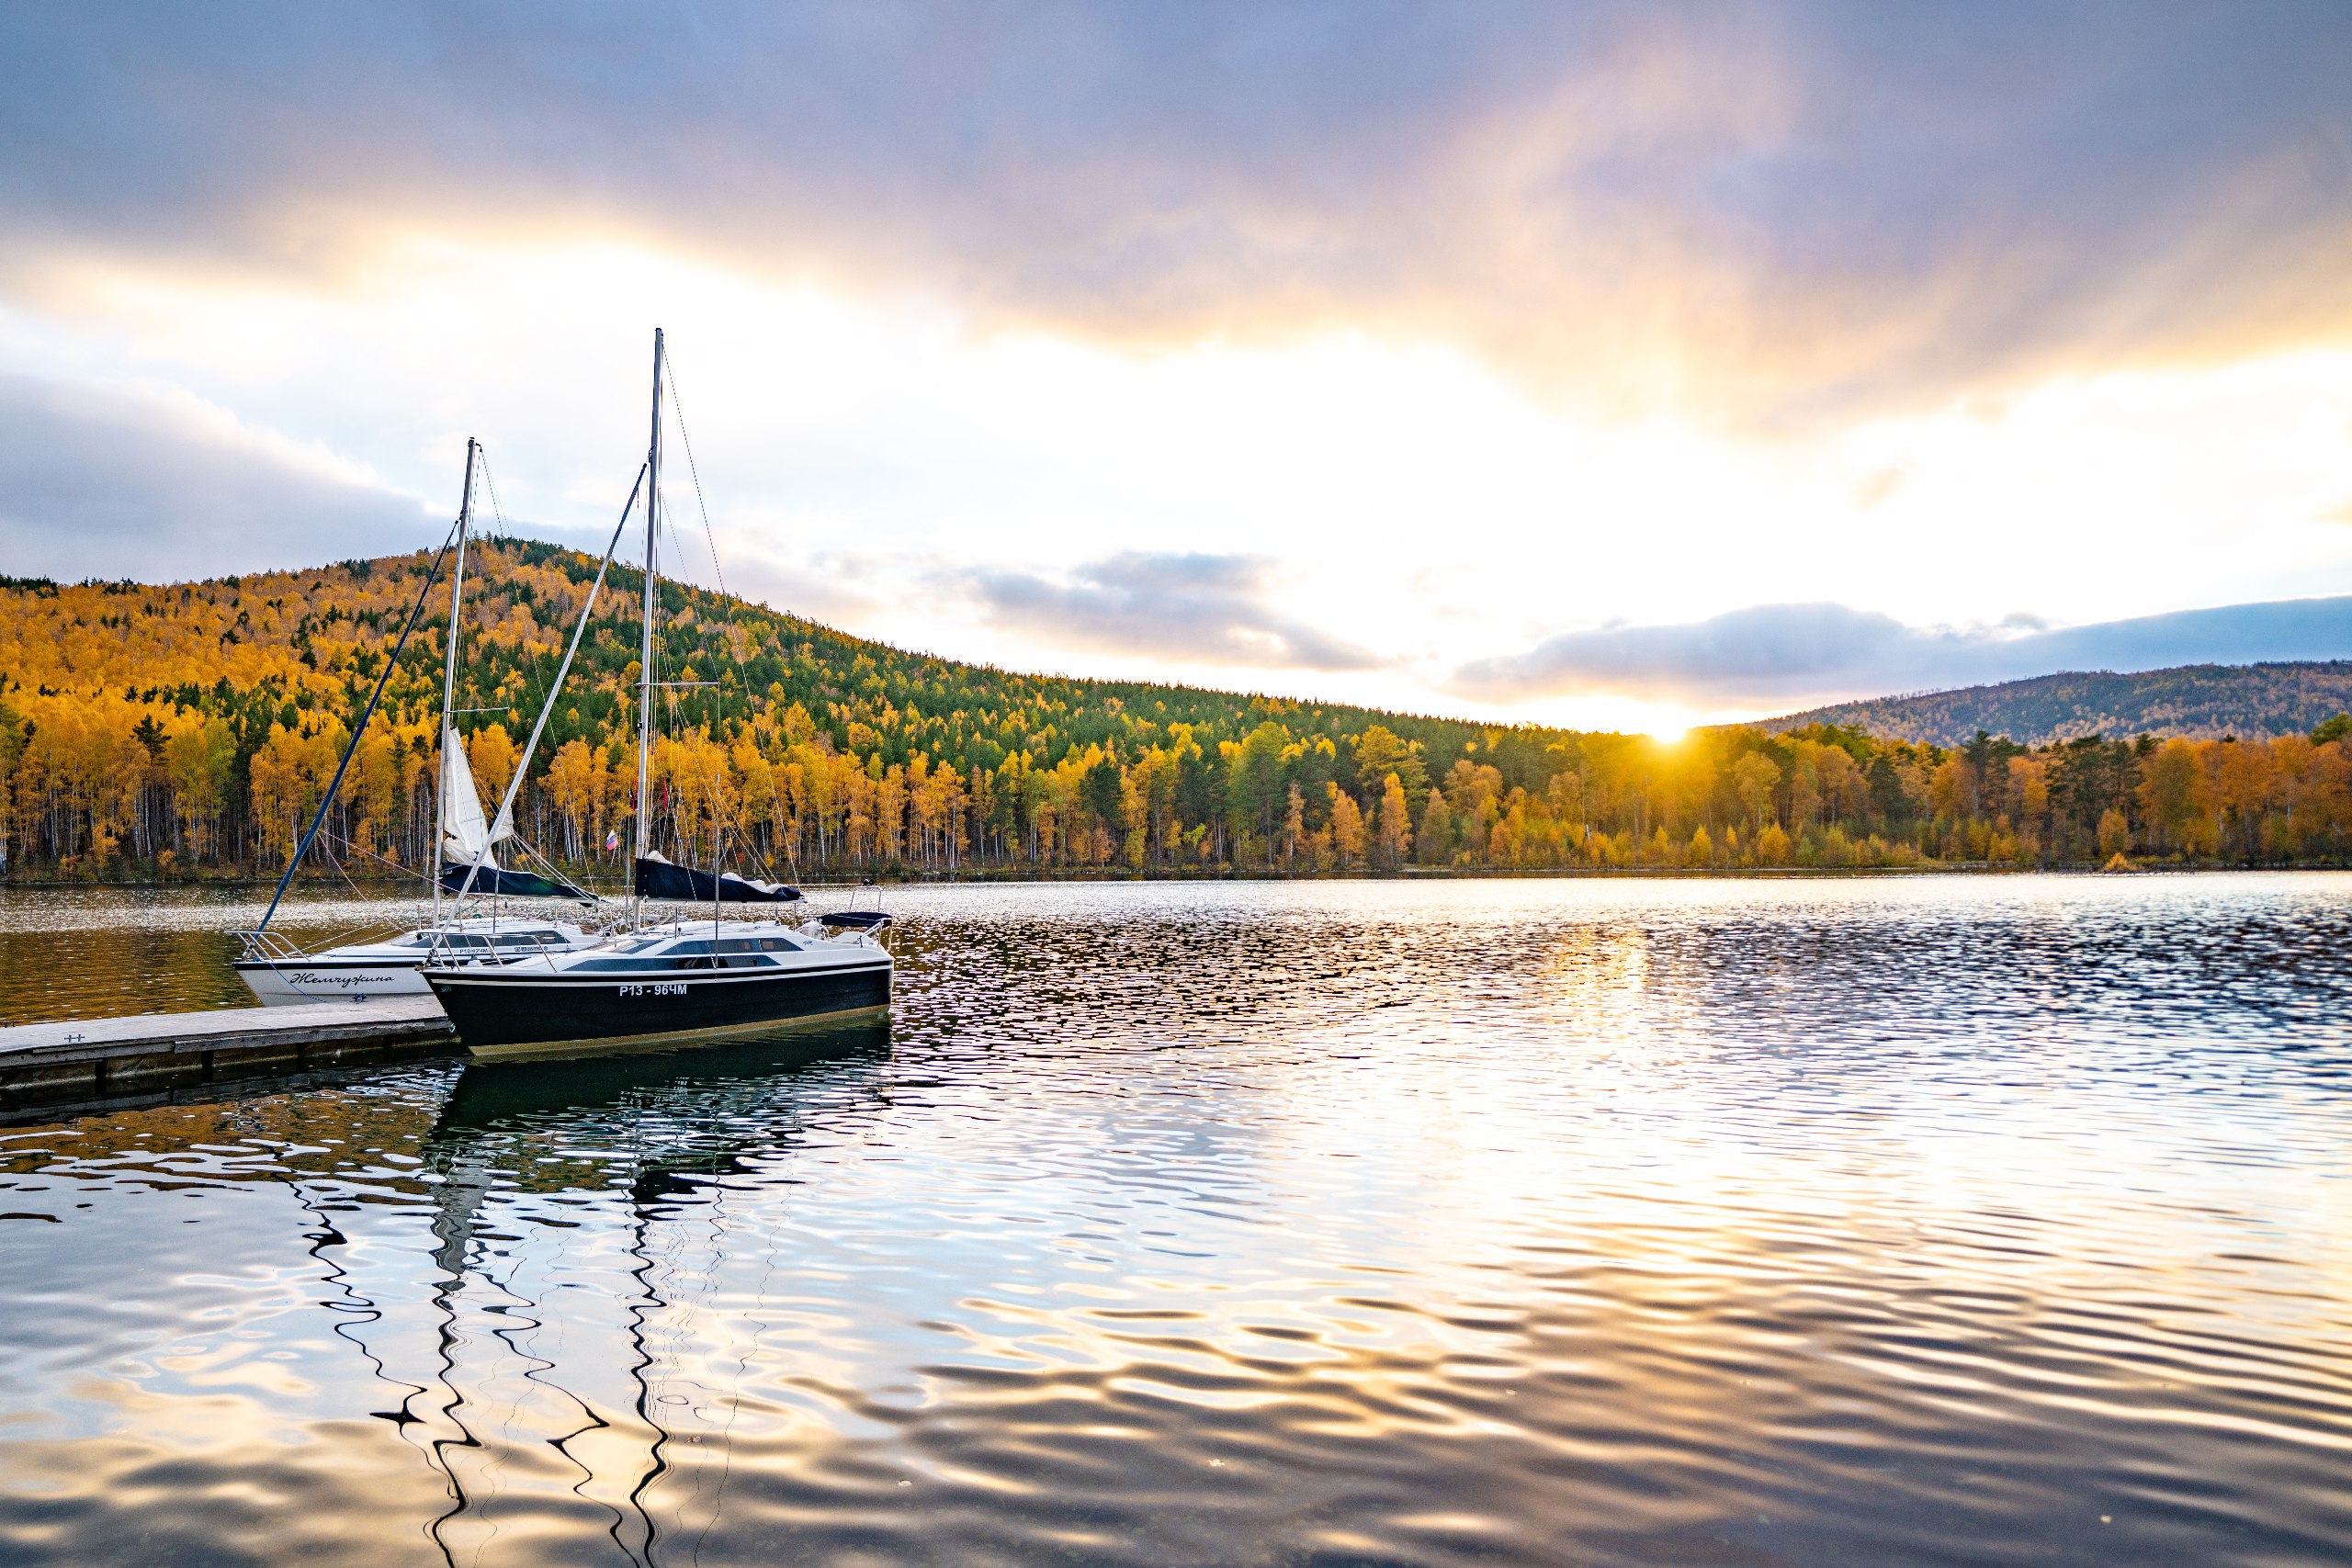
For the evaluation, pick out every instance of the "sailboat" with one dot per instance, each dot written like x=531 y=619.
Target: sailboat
x=679 y=978
x=278 y=973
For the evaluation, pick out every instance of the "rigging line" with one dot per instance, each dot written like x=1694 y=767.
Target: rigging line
x=337 y=939
x=532 y=853
x=719 y=711
x=327 y=849
x=717 y=572
x=678 y=404
x=390 y=661
x=352 y=846
x=670 y=368
x=523 y=765
x=680 y=842
x=491 y=484
x=718 y=795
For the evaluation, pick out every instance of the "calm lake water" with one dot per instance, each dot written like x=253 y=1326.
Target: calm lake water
x=1950 y=1221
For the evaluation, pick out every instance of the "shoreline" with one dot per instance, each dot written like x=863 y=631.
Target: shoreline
x=1407 y=874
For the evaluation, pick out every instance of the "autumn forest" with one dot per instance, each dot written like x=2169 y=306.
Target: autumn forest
x=190 y=730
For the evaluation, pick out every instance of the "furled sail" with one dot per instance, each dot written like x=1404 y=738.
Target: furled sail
x=464 y=837
x=466 y=840
x=660 y=877
x=489 y=879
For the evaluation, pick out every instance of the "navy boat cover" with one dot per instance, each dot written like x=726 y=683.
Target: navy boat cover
x=490 y=879
x=659 y=877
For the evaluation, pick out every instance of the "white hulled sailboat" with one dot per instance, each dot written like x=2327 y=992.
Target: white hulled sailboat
x=279 y=973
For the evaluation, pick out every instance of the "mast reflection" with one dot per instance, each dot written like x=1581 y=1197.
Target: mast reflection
x=624 y=1143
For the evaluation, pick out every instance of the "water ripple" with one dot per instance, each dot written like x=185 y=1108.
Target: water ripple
x=1868 y=1220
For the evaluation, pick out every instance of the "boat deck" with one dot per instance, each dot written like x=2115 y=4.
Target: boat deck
x=97 y=1058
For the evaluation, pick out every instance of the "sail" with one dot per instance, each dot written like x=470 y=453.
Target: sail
x=465 y=841
x=659 y=877
x=465 y=838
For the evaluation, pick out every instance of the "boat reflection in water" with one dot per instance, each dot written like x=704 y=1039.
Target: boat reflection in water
x=578 y=1383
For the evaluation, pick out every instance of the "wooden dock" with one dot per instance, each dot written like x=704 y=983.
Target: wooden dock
x=101 y=1057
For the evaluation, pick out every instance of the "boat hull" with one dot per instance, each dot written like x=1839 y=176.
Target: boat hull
x=504 y=1013
x=301 y=983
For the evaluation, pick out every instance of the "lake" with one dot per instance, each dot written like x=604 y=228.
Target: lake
x=1875 y=1222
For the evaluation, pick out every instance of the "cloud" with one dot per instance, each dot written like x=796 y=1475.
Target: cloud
x=154 y=486
x=1211 y=609
x=1796 y=654
x=1785 y=210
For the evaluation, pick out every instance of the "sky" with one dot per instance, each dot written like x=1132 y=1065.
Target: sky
x=1613 y=365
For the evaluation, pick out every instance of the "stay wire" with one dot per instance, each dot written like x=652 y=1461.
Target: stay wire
x=678 y=405
x=498 y=512
x=490 y=483
x=352 y=846
x=391 y=662
x=719 y=574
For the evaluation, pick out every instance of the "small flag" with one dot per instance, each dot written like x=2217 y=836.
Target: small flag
x=612 y=840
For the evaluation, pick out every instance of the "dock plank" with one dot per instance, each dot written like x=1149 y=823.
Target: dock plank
x=215 y=1027
x=100 y=1054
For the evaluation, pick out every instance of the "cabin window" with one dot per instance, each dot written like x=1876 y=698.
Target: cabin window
x=738 y=944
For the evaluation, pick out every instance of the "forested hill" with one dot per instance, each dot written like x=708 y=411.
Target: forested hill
x=296 y=648
x=193 y=729
x=198 y=720
x=2195 y=702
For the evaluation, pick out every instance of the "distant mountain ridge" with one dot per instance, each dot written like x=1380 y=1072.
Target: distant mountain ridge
x=2195 y=702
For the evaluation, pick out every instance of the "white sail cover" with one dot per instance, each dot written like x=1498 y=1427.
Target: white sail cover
x=465 y=838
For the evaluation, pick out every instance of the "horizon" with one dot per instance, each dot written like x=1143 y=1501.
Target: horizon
x=1635 y=368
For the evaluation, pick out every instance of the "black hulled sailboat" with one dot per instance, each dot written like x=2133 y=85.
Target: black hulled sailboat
x=679 y=978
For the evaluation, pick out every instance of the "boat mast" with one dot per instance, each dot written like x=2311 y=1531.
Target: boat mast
x=645 y=656
x=449 y=681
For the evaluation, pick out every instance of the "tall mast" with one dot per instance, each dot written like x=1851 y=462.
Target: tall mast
x=449 y=680
x=645 y=655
